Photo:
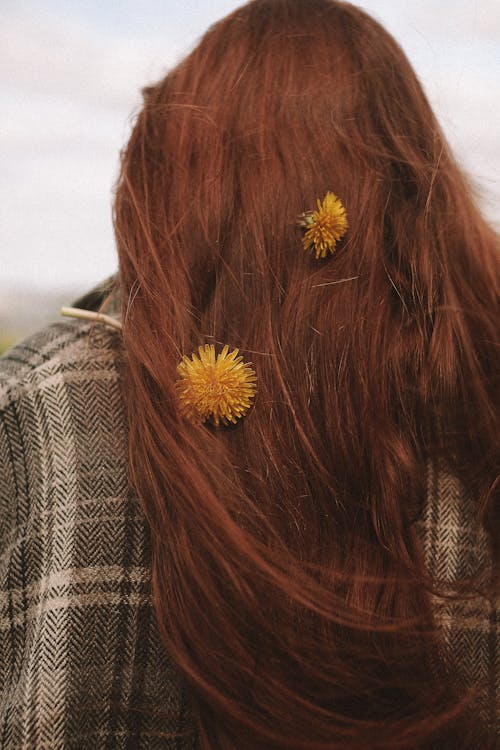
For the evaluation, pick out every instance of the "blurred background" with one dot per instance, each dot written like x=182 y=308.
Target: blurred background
x=70 y=79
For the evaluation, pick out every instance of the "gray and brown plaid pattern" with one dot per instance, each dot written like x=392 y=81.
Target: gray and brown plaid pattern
x=81 y=663
x=78 y=645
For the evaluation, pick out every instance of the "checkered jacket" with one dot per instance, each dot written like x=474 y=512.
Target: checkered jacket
x=81 y=662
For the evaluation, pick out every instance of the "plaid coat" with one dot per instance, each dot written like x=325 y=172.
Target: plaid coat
x=79 y=648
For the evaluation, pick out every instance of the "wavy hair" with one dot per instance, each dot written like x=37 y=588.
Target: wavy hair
x=288 y=582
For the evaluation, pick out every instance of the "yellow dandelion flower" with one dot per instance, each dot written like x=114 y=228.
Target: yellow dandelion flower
x=325 y=226
x=217 y=388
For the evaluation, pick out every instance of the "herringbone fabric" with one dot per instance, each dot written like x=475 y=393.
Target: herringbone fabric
x=81 y=661
x=78 y=645
x=456 y=548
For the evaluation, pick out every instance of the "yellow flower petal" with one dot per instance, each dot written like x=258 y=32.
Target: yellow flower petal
x=325 y=226
x=213 y=388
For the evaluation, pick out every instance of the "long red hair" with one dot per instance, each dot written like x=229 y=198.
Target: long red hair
x=288 y=582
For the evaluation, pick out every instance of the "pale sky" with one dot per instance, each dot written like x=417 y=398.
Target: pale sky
x=70 y=75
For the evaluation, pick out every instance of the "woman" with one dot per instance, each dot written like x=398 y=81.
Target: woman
x=324 y=547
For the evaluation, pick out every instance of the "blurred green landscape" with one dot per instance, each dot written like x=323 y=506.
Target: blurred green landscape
x=6 y=343
x=23 y=311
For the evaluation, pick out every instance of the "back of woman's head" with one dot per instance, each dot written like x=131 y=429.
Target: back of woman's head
x=287 y=579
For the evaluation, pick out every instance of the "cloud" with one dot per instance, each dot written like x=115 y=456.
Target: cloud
x=43 y=54
x=468 y=20
x=70 y=80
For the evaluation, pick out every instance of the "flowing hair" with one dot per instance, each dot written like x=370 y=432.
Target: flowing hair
x=288 y=582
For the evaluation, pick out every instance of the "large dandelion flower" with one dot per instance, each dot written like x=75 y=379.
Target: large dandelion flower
x=213 y=388
x=325 y=226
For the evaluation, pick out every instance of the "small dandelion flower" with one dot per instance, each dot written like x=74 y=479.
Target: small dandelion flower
x=213 y=388
x=325 y=226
